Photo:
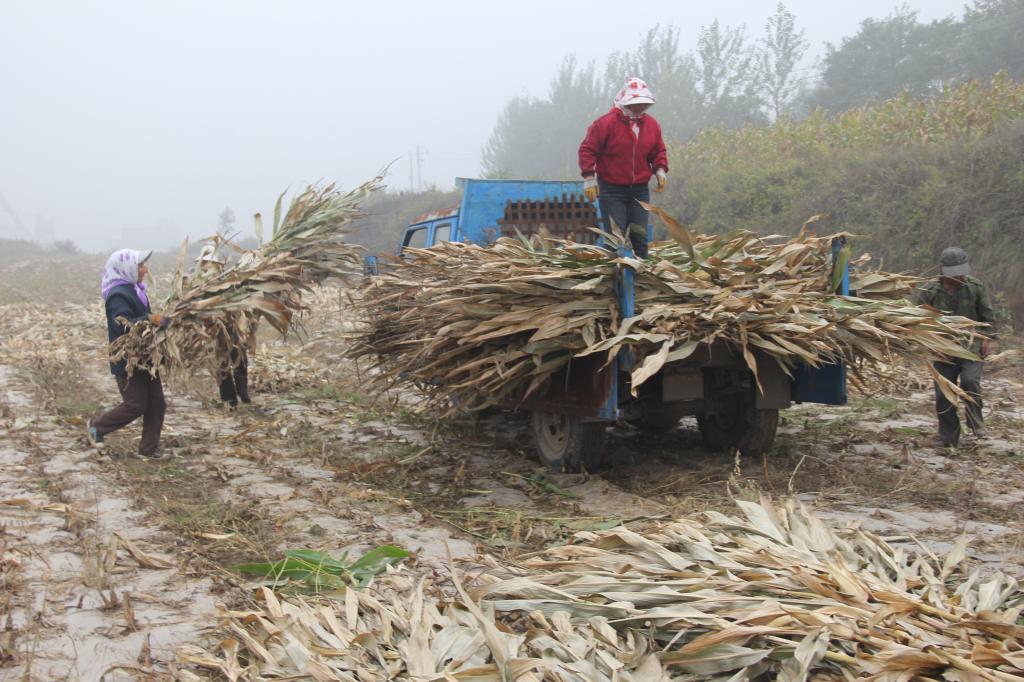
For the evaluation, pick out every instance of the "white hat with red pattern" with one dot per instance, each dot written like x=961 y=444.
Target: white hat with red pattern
x=635 y=91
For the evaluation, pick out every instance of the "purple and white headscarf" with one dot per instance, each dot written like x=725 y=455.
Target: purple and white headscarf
x=123 y=268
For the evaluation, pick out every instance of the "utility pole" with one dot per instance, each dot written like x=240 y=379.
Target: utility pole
x=418 y=154
x=419 y=167
x=19 y=226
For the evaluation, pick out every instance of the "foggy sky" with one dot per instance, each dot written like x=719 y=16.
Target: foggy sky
x=129 y=123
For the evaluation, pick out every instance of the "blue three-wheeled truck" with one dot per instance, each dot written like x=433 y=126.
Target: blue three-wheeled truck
x=569 y=420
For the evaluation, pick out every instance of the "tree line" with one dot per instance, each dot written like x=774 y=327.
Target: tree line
x=733 y=79
x=908 y=177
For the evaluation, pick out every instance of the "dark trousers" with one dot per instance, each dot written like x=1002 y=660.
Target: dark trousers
x=234 y=383
x=619 y=204
x=143 y=396
x=968 y=374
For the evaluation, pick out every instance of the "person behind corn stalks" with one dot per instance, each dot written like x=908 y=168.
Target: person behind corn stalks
x=956 y=292
x=233 y=376
x=124 y=295
x=620 y=153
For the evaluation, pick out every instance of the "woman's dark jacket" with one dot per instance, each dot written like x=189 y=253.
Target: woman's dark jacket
x=122 y=301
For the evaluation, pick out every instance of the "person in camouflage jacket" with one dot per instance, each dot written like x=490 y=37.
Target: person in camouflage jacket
x=956 y=292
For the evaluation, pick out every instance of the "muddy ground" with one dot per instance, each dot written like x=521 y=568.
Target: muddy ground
x=109 y=562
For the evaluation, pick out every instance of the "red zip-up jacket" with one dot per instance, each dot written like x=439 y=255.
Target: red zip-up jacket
x=617 y=155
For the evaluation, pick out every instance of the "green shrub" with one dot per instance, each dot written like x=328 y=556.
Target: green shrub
x=951 y=173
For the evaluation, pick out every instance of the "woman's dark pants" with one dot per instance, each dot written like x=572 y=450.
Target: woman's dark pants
x=619 y=204
x=234 y=382
x=143 y=396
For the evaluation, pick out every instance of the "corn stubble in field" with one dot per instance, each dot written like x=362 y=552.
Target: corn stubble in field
x=211 y=316
x=473 y=327
x=774 y=593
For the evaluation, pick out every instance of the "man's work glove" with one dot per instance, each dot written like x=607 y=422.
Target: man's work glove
x=662 y=179
x=158 y=319
x=590 y=188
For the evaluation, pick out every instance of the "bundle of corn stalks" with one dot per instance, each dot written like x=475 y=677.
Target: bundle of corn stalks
x=214 y=317
x=776 y=594
x=474 y=326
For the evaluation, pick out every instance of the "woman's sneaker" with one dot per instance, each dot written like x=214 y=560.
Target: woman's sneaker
x=154 y=454
x=94 y=436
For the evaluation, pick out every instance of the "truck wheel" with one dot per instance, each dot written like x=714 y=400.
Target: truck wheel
x=759 y=434
x=743 y=426
x=716 y=432
x=567 y=443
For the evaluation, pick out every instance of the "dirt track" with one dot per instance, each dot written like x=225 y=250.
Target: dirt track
x=323 y=463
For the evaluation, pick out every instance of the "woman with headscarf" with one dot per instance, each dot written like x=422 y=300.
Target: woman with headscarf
x=620 y=154
x=124 y=296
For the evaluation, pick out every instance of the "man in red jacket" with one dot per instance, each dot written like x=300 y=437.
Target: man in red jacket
x=620 y=153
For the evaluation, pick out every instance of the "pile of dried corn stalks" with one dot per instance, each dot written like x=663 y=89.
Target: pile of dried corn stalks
x=775 y=593
x=474 y=327
x=66 y=333
x=211 y=316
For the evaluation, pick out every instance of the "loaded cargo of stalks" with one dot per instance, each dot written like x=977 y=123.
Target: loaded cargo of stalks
x=473 y=327
x=212 y=317
x=771 y=593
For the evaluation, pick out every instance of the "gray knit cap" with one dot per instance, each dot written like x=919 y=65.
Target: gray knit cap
x=954 y=262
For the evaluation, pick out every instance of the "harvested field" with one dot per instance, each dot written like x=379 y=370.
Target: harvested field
x=109 y=565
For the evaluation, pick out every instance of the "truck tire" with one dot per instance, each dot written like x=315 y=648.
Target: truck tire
x=717 y=434
x=759 y=435
x=744 y=427
x=569 y=444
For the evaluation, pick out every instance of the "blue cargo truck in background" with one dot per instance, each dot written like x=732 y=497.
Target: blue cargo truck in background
x=569 y=420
